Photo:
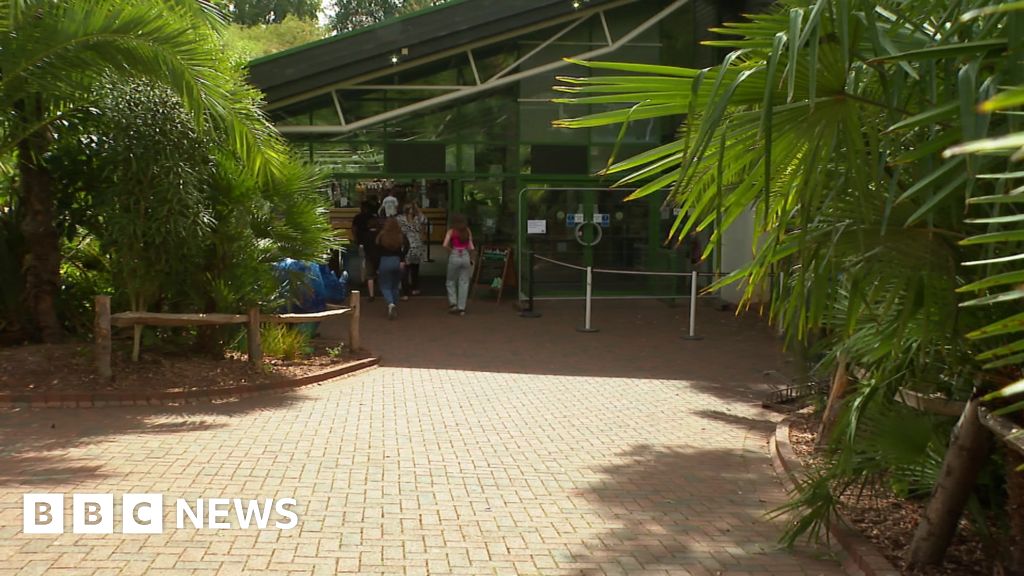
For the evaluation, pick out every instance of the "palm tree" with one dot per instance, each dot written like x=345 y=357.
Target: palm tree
x=829 y=119
x=52 y=52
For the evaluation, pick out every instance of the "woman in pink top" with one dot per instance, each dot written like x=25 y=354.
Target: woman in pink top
x=459 y=242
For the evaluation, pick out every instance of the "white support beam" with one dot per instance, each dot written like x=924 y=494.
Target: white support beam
x=472 y=64
x=371 y=87
x=542 y=46
x=486 y=86
x=410 y=64
x=607 y=31
x=337 y=107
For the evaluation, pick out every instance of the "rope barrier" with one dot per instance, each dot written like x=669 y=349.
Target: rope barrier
x=641 y=273
x=566 y=264
x=691 y=335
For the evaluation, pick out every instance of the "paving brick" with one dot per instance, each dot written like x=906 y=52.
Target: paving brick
x=483 y=445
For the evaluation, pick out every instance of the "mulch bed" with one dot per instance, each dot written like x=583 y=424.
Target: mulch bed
x=69 y=367
x=889 y=522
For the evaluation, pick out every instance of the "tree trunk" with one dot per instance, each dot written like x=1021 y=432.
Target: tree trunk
x=967 y=453
x=42 y=261
x=1015 y=512
x=840 y=382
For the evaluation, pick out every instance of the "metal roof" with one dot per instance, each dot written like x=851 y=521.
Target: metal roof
x=416 y=36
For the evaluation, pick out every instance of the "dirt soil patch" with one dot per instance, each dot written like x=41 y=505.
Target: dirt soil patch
x=69 y=368
x=889 y=522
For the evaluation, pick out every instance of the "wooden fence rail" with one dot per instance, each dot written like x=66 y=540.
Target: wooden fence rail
x=105 y=320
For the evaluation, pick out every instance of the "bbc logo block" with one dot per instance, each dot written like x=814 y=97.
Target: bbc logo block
x=144 y=513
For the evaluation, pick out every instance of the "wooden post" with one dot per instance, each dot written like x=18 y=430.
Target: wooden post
x=354 y=343
x=102 y=331
x=253 y=337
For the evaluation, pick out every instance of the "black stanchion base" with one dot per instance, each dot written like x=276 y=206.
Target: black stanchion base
x=585 y=329
x=694 y=337
x=529 y=314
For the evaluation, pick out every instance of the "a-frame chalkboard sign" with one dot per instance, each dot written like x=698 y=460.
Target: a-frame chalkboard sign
x=493 y=263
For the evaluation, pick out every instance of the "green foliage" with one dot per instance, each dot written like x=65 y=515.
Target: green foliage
x=85 y=273
x=185 y=224
x=285 y=342
x=255 y=12
x=245 y=43
x=353 y=14
x=141 y=167
x=158 y=154
x=843 y=125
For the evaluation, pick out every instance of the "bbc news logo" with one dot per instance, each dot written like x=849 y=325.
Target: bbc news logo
x=144 y=513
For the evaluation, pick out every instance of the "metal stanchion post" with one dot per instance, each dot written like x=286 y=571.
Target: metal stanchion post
x=529 y=312
x=429 y=236
x=590 y=289
x=692 y=335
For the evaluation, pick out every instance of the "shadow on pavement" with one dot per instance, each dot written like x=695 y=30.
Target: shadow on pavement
x=637 y=339
x=761 y=427
x=697 y=509
x=33 y=441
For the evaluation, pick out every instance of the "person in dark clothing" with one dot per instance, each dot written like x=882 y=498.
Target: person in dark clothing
x=366 y=227
x=392 y=246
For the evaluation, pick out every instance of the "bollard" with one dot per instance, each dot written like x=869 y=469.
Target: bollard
x=590 y=289
x=529 y=312
x=692 y=335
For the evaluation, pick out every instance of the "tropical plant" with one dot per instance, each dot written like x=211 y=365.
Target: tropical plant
x=54 y=52
x=829 y=119
x=285 y=342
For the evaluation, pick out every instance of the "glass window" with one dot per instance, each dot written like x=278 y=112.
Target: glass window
x=318 y=110
x=490 y=61
x=348 y=157
x=536 y=118
x=489 y=205
x=491 y=158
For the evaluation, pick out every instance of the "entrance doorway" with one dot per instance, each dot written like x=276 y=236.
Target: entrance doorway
x=586 y=226
x=434 y=197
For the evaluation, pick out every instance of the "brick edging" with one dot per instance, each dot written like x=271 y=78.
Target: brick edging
x=157 y=398
x=861 y=555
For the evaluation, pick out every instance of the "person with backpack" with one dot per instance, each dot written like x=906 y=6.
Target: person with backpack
x=365 y=228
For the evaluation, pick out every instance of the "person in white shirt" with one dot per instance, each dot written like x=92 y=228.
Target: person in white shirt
x=389 y=206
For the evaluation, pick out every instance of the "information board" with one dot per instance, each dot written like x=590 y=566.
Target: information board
x=493 y=268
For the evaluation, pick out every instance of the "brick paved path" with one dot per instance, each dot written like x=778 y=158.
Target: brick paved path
x=492 y=460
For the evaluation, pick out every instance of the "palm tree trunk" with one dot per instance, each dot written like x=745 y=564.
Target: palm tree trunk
x=42 y=265
x=840 y=383
x=967 y=453
x=1015 y=512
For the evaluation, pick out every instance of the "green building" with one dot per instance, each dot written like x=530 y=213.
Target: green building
x=451 y=107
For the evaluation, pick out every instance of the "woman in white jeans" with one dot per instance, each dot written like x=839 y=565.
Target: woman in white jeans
x=459 y=243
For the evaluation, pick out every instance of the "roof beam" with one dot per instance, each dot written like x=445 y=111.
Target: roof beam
x=487 y=86
x=409 y=64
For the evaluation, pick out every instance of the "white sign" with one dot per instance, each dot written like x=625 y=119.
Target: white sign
x=605 y=220
x=573 y=219
x=43 y=513
x=536 y=226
